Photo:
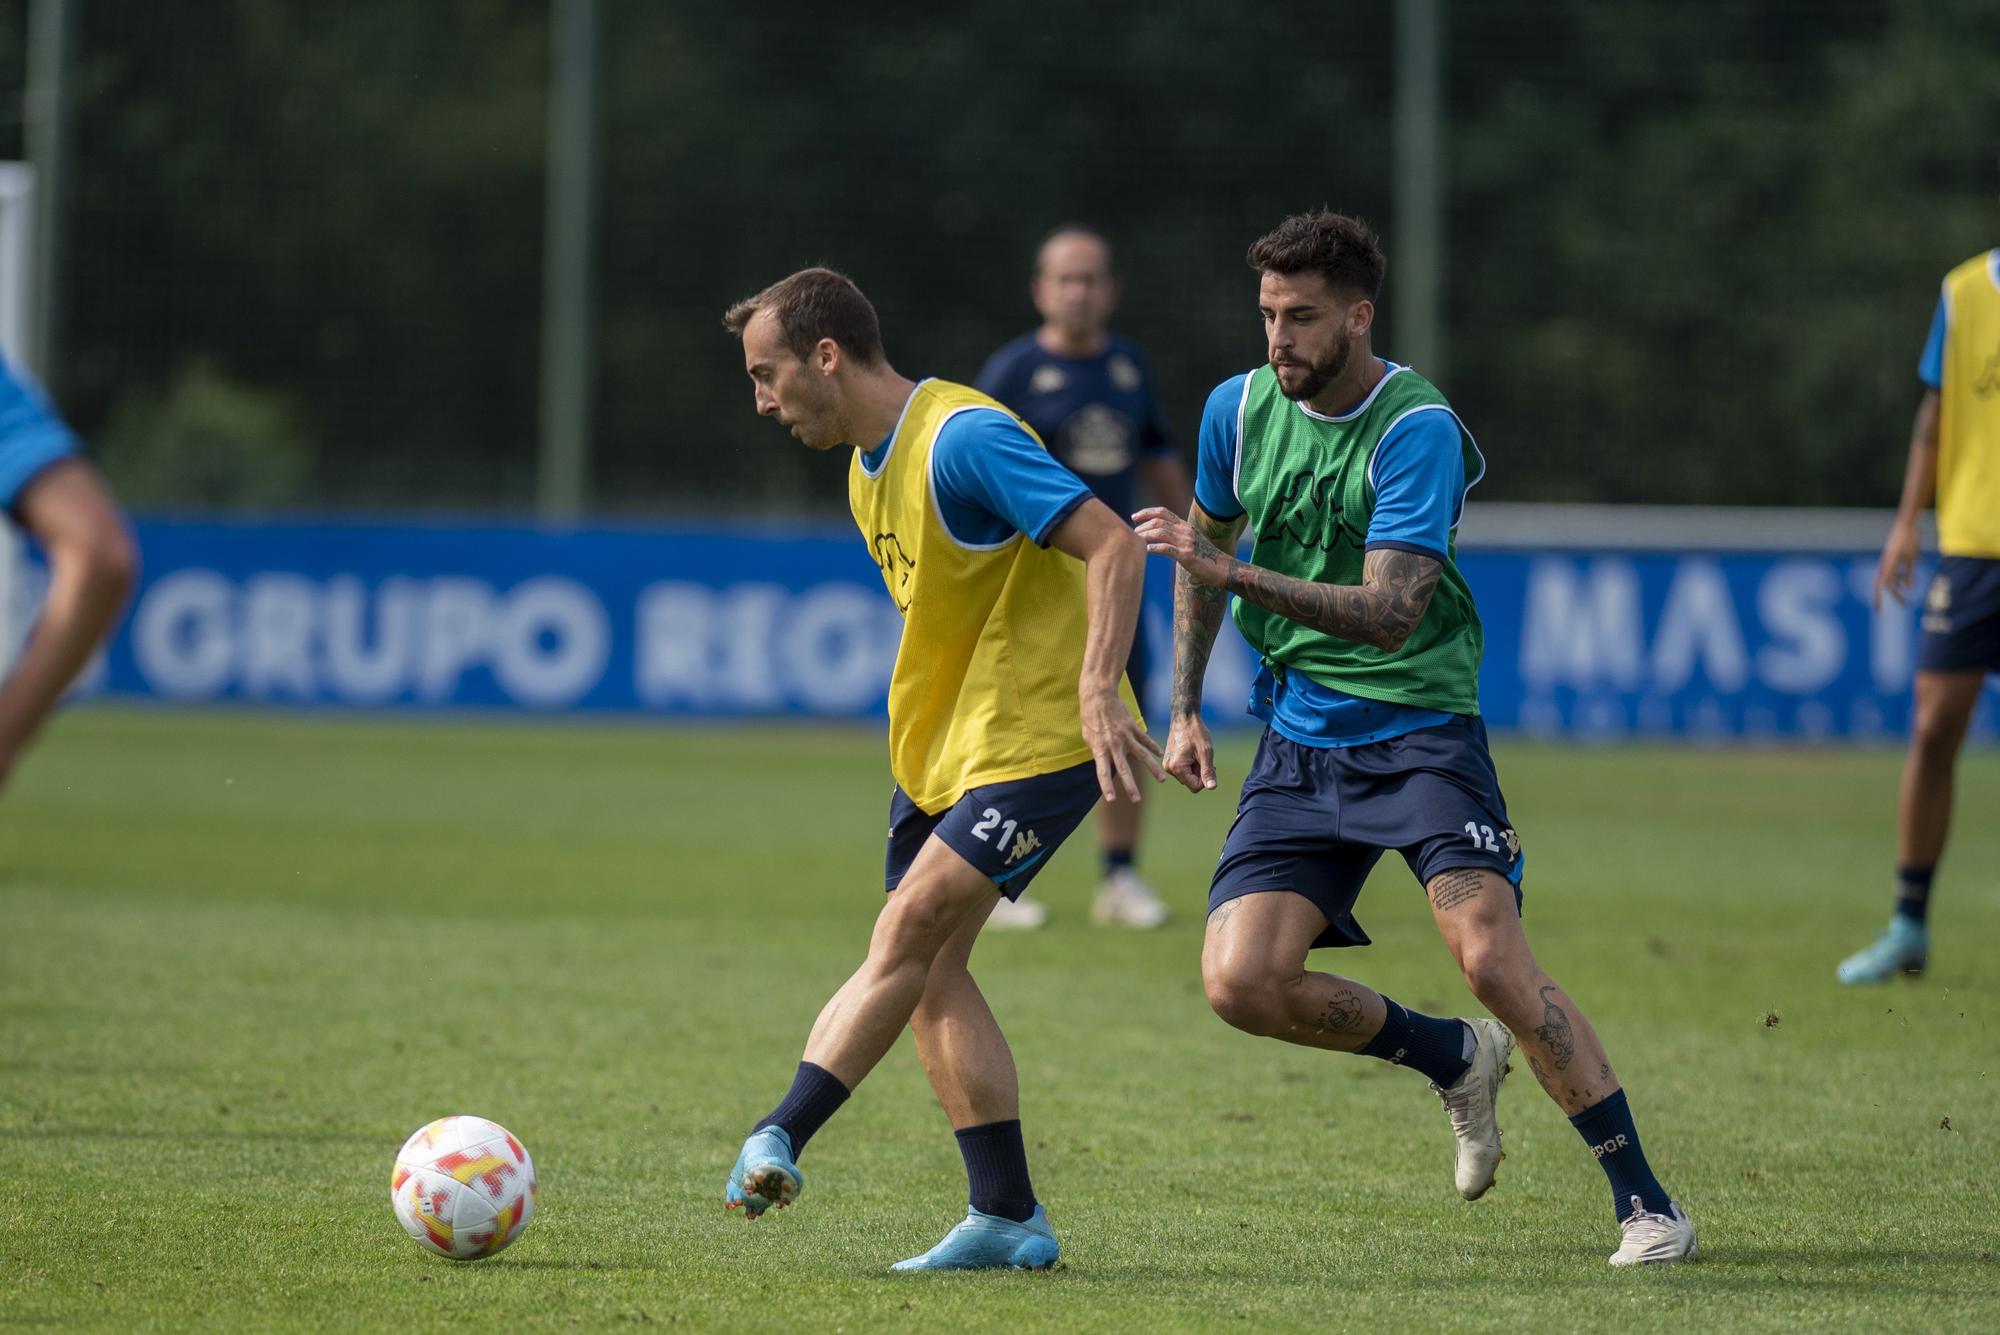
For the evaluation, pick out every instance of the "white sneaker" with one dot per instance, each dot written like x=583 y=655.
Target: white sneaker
x=1017 y=915
x=1654 y=1238
x=1473 y=1102
x=1125 y=900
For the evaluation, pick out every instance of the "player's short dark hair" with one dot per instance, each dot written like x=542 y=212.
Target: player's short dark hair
x=1075 y=229
x=1343 y=249
x=813 y=304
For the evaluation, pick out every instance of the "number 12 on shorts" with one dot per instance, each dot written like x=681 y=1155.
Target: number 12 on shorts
x=1482 y=836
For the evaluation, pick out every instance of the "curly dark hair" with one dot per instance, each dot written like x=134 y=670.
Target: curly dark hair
x=813 y=304
x=1343 y=249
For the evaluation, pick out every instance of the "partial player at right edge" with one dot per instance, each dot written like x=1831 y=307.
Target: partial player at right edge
x=1351 y=472
x=1954 y=460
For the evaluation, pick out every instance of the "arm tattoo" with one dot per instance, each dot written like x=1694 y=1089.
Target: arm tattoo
x=1198 y=612
x=1382 y=610
x=1452 y=888
x=1554 y=1031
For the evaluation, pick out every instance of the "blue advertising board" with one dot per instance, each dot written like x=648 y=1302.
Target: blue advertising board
x=694 y=621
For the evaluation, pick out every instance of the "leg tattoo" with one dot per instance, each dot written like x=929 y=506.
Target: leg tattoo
x=1554 y=1031
x=1343 y=1014
x=1452 y=888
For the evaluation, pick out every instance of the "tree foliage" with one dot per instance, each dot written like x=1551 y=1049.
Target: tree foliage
x=1692 y=248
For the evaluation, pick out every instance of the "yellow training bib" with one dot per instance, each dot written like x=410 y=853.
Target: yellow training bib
x=984 y=689
x=1968 y=479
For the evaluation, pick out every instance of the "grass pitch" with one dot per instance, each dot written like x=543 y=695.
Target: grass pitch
x=242 y=958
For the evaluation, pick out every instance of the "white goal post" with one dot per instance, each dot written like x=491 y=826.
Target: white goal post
x=17 y=202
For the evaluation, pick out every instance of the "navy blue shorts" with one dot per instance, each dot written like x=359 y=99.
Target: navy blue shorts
x=1007 y=830
x=1961 y=621
x=1314 y=819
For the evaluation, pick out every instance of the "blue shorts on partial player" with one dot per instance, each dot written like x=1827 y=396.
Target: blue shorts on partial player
x=1961 y=617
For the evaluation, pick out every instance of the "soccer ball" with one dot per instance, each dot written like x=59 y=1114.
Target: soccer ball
x=463 y=1187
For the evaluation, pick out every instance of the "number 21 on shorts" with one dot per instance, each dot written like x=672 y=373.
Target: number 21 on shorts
x=987 y=821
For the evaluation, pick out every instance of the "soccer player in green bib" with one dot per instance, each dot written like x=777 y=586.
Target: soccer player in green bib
x=1350 y=473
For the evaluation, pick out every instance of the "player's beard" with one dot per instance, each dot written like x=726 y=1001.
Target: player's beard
x=817 y=421
x=1321 y=373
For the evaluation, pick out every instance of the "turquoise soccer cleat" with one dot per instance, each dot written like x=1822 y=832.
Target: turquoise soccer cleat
x=1903 y=947
x=988 y=1242
x=764 y=1174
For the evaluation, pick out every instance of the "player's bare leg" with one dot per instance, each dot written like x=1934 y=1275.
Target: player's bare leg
x=1253 y=968
x=1476 y=911
x=1119 y=824
x=1943 y=707
x=971 y=1070
x=1123 y=897
x=938 y=896
x=970 y=1066
x=1944 y=704
x=1479 y=917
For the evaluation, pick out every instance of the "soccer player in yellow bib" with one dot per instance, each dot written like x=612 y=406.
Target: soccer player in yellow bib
x=1954 y=459
x=1009 y=720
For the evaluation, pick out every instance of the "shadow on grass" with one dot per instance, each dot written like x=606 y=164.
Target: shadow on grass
x=294 y=1136
x=1905 y=1273
x=94 y=1070
x=1873 y=1267
x=57 y=1010
x=540 y=1263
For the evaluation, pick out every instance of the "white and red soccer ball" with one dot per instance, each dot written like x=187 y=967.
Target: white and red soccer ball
x=463 y=1187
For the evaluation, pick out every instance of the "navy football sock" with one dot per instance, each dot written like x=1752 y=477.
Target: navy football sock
x=816 y=1094
x=1607 y=1128
x=996 y=1166
x=1435 y=1047
x=1913 y=893
x=1116 y=859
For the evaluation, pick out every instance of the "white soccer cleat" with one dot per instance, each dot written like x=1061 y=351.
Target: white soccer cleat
x=1473 y=1102
x=1125 y=900
x=1017 y=915
x=1652 y=1239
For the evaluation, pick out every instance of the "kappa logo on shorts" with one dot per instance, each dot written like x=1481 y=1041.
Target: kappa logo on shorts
x=1024 y=843
x=995 y=829
x=1937 y=606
